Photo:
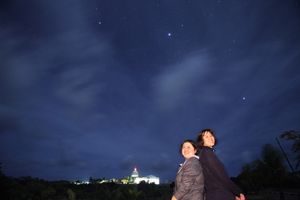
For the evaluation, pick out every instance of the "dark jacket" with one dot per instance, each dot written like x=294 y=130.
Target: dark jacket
x=189 y=183
x=218 y=185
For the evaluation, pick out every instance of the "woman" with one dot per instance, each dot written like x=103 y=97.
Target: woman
x=218 y=185
x=189 y=184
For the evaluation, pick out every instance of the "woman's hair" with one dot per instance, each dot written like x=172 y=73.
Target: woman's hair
x=200 y=136
x=192 y=142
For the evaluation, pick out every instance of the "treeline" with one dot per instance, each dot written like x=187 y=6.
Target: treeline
x=34 y=189
x=268 y=172
x=272 y=170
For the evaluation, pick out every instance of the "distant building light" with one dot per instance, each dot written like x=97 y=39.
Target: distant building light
x=81 y=182
x=135 y=173
x=148 y=179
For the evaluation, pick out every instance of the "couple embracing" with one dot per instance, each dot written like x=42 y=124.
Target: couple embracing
x=202 y=176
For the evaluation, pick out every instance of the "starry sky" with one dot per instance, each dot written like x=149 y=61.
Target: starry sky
x=94 y=88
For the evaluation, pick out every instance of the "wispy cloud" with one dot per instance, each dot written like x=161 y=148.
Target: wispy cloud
x=174 y=85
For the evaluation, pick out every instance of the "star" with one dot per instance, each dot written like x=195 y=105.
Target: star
x=244 y=98
x=169 y=34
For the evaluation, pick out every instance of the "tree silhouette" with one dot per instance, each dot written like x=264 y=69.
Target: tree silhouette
x=34 y=188
x=71 y=194
x=295 y=137
x=267 y=172
x=273 y=165
x=1 y=173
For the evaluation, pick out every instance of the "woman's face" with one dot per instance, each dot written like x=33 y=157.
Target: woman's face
x=208 y=139
x=188 y=150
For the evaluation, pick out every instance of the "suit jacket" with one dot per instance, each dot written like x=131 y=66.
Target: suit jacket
x=189 y=184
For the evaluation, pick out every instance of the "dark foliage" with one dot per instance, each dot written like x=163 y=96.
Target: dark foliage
x=31 y=188
x=267 y=172
x=295 y=137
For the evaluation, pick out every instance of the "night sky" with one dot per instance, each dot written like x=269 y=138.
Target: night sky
x=94 y=88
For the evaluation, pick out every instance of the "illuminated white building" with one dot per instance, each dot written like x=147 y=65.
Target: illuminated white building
x=148 y=179
x=135 y=173
x=81 y=182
